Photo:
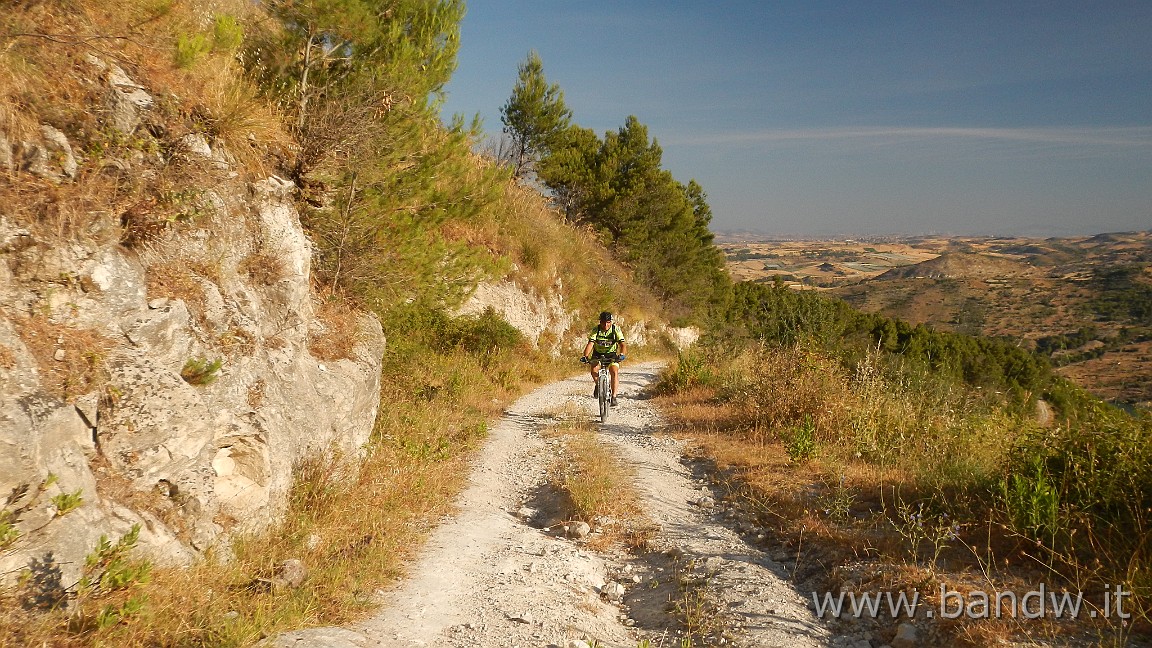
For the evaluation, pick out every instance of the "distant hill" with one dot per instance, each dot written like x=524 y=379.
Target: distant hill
x=955 y=265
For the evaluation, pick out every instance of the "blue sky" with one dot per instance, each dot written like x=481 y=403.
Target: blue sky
x=854 y=118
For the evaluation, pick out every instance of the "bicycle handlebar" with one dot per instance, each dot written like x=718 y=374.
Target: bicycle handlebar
x=611 y=357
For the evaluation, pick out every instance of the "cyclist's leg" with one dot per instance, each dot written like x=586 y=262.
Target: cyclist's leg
x=614 y=369
x=594 y=367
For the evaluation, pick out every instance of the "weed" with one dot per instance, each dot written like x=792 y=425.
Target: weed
x=171 y=279
x=256 y=393
x=335 y=337
x=190 y=48
x=1033 y=503
x=108 y=571
x=227 y=34
x=801 y=442
x=7 y=358
x=837 y=501
x=597 y=487
x=263 y=268
x=8 y=531
x=67 y=502
x=71 y=361
x=919 y=527
x=108 y=567
x=696 y=607
x=201 y=371
x=691 y=369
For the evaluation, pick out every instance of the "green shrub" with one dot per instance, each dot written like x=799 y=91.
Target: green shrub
x=190 y=48
x=199 y=371
x=801 y=442
x=484 y=333
x=66 y=502
x=692 y=368
x=227 y=34
x=1033 y=503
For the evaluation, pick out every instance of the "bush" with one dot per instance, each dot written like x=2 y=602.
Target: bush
x=199 y=371
x=692 y=368
x=227 y=34
x=801 y=443
x=190 y=48
x=484 y=333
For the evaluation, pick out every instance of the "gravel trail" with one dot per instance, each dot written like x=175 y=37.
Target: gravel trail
x=499 y=573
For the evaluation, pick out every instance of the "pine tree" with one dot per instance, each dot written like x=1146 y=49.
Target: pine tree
x=535 y=116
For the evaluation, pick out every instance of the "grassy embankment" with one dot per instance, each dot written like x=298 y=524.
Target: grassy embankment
x=910 y=461
x=351 y=522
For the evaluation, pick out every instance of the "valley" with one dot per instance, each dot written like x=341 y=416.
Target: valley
x=1085 y=302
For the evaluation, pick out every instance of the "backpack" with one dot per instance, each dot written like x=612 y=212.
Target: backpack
x=606 y=341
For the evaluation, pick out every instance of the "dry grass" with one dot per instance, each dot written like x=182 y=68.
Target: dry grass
x=598 y=489
x=339 y=320
x=82 y=353
x=45 y=78
x=844 y=518
x=171 y=279
x=550 y=256
x=263 y=268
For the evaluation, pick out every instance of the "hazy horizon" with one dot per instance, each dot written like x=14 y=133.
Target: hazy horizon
x=842 y=235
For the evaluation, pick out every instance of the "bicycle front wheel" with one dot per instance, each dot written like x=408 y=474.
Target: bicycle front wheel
x=605 y=397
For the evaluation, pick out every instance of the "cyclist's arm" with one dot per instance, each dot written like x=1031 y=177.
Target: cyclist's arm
x=588 y=349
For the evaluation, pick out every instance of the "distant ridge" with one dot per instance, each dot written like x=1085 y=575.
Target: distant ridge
x=954 y=265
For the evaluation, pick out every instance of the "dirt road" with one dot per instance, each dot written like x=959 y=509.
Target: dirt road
x=501 y=573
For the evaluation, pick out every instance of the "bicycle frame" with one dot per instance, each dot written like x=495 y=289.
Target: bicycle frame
x=604 y=383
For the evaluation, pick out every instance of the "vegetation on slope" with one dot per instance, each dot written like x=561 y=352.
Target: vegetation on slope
x=616 y=186
x=921 y=453
x=342 y=97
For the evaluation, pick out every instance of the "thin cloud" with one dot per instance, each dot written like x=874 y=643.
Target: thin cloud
x=1115 y=137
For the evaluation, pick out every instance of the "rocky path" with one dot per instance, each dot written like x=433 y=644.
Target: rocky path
x=500 y=573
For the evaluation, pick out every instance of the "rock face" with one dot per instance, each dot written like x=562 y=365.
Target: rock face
x=549 y=324
x=113 y=408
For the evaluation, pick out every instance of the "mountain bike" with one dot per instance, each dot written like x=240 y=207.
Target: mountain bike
x=604 y=382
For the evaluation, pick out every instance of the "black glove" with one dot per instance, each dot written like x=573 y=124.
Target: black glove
x=584 y=359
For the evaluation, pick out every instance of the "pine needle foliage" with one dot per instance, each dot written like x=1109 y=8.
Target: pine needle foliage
x=655 y=224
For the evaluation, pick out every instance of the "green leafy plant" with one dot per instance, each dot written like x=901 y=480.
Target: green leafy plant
x=8 y=531
x=227 y=34
x=113 y=614
x=801 y=443
x=108 y=567
x=67 y=502
x=1033 y=503
x=190 y=48
x=199 y=371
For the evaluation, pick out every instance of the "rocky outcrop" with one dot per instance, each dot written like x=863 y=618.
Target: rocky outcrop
x=169 y=384
x=549 y=324
x=545 y=321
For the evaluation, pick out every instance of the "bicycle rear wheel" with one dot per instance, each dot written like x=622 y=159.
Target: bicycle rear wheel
x=604 y=396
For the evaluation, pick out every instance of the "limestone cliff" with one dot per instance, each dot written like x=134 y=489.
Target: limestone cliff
x=161 y=371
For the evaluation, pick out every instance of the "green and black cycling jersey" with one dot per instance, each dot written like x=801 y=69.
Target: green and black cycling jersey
x=606 y=342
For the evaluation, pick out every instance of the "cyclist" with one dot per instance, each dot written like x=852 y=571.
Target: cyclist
x=605 y=340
